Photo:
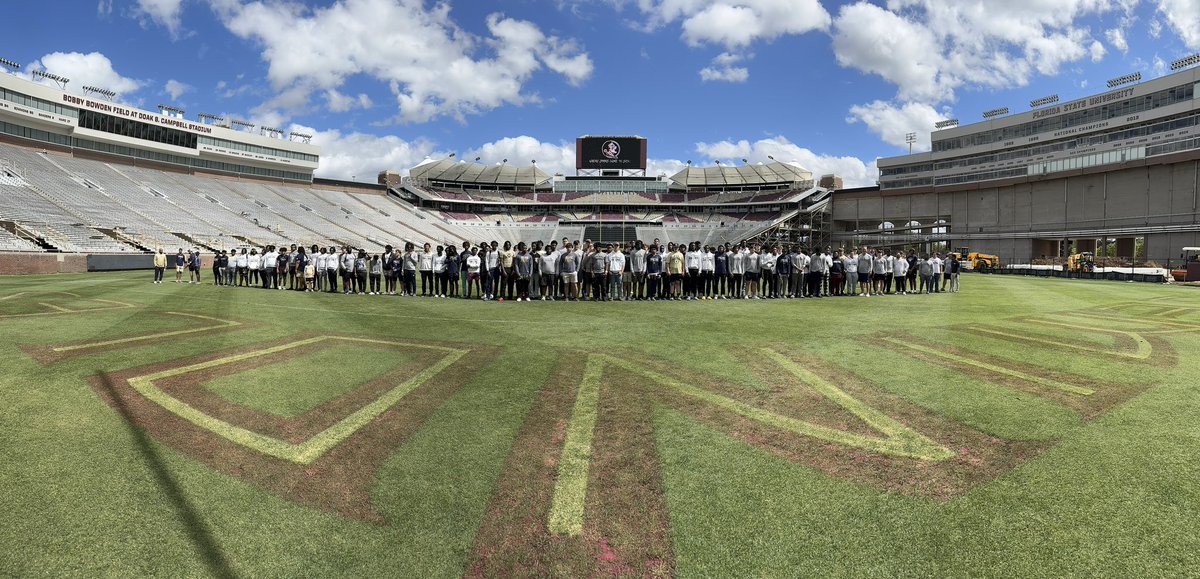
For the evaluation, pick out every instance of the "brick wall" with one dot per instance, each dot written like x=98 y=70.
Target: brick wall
x=34 y=263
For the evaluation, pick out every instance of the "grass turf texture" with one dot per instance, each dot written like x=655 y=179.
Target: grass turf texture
x=1105 y=484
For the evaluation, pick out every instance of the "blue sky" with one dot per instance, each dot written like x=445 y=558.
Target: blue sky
x=386 y=83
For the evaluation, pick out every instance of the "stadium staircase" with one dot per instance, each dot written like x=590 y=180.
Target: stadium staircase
x=22 y=232
x=126 y=238
x=610 y=233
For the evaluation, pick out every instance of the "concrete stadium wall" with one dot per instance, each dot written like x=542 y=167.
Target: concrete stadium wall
x=41 y=263
x=1014 y=220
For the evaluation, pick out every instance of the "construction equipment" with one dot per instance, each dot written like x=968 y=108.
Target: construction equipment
x=1084 y=262
x=1191 y=265
x=978 y=261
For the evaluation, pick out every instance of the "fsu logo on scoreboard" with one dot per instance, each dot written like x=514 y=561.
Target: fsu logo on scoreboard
x=610 y=153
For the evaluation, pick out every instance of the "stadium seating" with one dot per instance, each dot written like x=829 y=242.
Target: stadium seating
x=76 y=204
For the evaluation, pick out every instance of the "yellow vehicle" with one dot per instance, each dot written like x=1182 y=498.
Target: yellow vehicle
x=977 y=261
x=1082 y=262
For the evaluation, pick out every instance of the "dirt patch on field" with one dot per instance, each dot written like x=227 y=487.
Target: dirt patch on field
x=190 y=389
x=978 y=457
x=1104 y=396
x=337 y=482
x=626 y=529
x=1161 y=352
x=50 y=353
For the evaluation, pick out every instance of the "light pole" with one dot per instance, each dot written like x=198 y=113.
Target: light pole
x=910 y=138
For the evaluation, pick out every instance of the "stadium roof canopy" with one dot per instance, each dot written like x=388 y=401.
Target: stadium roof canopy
x=449 y=172
x=726 y=175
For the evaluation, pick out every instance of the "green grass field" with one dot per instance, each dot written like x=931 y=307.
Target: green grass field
x=1021 y=428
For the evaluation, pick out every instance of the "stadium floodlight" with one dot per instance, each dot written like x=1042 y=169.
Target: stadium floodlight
x=770 y=157
x=1120 y=80
x=9 y=64
x=946 y=124
x=274 y=131
x=210 y=117
x=242 y=124
x=1185 y=62
x=108 y=94
x=62 y=81
x=910 y=138
x=302 y=136
x=995 y=112
x=170 y=109
x=477 y=159
x=1035 y=103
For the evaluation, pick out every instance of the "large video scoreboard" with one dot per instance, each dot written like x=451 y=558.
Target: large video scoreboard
x=611 y=153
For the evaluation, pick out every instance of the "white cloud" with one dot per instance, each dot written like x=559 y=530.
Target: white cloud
x=1116 y=37
x=1155 y=28
x=854 y=172
x=91 y=69
x=723 y=69
x=736 y=23
x=165 y=13
x=892 y=123
x=362 y=156
x=1184 y=17
x=551 y=157
x=103 y=8
x=340 y=103
x=176 y=89
x=929 y=48
x=432 y=66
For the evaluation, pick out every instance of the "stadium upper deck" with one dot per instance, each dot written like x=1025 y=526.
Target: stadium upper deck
x=1148 y=119
x=31 y=111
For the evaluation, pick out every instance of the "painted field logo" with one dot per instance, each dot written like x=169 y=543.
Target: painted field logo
x=269 y=415
x=589 y=489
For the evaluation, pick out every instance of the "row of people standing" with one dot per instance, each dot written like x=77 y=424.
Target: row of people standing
x=585 y=270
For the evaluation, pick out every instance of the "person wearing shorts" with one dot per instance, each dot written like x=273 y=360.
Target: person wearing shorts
x=568 y=267
x=676 y=263
x=866 y=264
x=753 y=273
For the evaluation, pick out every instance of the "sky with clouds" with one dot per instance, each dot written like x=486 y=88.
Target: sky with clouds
x=383 y=84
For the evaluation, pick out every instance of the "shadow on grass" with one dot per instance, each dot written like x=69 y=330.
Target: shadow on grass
x=199 y=532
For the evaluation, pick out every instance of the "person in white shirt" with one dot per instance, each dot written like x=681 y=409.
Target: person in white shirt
x=332 y=264
x=899 y=272
x=241 y=263
x=766 y=269
x=349 y=280
x=616 y=266
x=936 y=267
x=547 y=264
x=473 y=274
x=253 y=266
x=850 y=262
x=691 y=280
x=269 y=260
x=708 y=264
x=438 y=263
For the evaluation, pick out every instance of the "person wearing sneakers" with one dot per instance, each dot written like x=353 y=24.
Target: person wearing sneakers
x=160 y=265
x=522 y=271
x=616 y=270
x=752 y=273
x=547 y=264
x=439 y=272
x=654 y=273
x=737 y=272
x=866 y=266
x=900 y=273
